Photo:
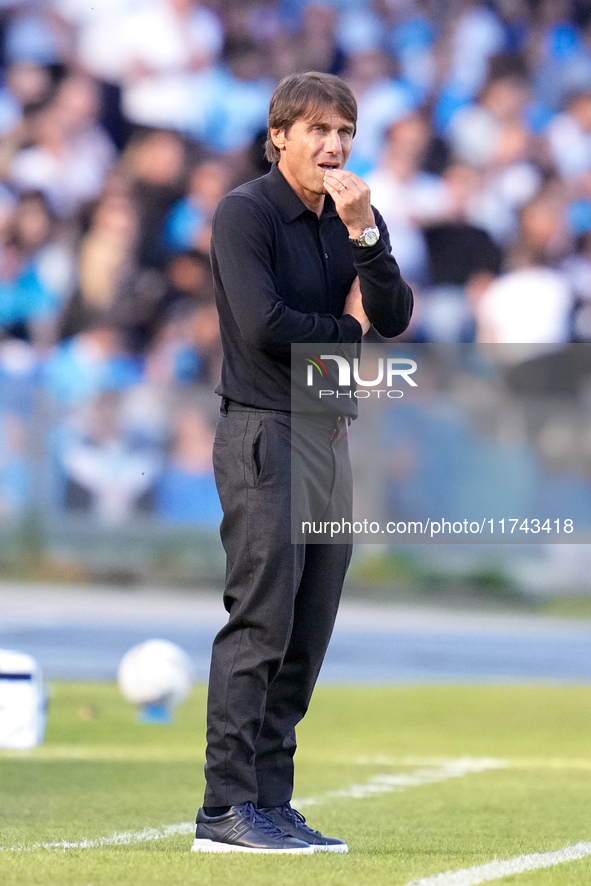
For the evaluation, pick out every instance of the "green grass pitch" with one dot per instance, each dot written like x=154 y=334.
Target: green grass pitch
x=100 y=773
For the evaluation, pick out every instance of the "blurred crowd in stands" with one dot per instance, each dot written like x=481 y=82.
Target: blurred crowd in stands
x=123 y=122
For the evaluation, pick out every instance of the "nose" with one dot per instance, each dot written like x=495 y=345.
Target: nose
x=332 y=144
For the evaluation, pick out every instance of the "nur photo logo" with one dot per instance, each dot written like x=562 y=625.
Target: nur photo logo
x=388 y=371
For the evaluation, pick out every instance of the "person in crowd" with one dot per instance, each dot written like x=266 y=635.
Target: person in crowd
x=156 y=162
x=185 y=492
x=409 y=196
x=569 y=137
x=463 y=260
x=109 y=469
x=531 y=303
x=188 y=224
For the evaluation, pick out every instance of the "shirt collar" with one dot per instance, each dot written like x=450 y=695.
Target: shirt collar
x=286 y=199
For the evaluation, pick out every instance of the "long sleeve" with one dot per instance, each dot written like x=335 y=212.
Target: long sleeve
x=387 y=298
x=281 y=277
x=246 y=270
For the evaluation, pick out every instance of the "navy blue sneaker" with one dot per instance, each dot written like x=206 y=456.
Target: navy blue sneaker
x=293 y=823
x=244 y=829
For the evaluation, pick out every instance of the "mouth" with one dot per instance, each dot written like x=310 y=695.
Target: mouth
x=326 y=167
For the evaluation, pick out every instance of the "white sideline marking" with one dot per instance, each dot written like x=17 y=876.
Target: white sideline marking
x=510 y=762
x=495 y=869
x=124 y=838
x=379 y=784
x=399 y=781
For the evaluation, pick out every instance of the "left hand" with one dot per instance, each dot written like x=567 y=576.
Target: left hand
x=354 y=306
x=352 y=200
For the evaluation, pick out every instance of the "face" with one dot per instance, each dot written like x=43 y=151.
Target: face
x=310 y=147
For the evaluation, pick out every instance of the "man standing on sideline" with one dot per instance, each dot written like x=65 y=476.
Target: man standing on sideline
x=299 y=255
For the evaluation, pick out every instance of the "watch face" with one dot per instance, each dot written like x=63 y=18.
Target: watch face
x=371 y=237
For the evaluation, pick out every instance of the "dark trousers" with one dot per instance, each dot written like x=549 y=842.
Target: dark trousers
x=282 y=600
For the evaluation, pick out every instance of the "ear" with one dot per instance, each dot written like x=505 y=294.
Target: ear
x=278 y=138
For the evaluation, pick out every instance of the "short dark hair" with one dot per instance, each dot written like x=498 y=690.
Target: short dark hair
x=303 y=95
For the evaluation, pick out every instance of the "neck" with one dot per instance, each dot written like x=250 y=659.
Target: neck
x=311 y=200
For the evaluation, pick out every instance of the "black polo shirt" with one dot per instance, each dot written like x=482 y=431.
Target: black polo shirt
x=281 y=275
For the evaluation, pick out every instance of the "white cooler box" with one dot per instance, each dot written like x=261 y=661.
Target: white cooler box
x=23 y=701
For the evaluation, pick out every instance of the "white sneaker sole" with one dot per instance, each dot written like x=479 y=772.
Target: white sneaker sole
x=212 y=846
x=337 y=847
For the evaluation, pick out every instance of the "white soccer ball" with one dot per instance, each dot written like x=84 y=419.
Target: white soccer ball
x=156 y=672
